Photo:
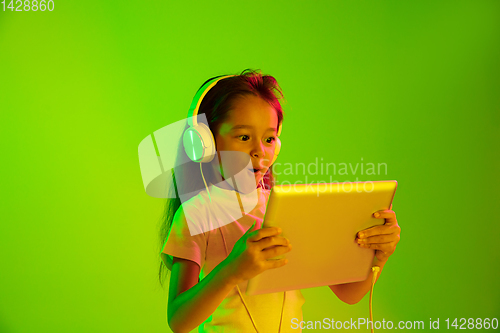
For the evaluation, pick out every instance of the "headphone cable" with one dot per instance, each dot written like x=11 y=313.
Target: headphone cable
x=238 y=288
x=227 y=254
x=201 y=170
x=375 y=270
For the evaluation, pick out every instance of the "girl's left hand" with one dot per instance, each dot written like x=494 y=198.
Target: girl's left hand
x=382 y=238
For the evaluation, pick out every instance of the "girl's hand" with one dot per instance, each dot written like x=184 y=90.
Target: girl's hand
x=250 y=253
x=382 y=238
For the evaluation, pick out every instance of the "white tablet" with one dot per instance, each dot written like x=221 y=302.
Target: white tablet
x=322 y=221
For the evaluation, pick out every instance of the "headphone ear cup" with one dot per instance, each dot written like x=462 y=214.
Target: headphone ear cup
x=199 y=143
x=276 y=150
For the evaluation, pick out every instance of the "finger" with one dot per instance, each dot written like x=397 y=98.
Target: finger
x=388 y=215
x=378 y=239
x=270 y=264
x=275 y=251
x=270 y=241
x=385 y=247
x=264 y=232
x=390 y=208
x=378 y=230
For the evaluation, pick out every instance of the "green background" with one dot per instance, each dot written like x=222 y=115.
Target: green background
x=414 y=85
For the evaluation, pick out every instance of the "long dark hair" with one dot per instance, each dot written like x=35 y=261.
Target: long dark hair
x=215 y=105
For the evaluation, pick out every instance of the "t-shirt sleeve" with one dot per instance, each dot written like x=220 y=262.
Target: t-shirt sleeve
x=180 y=243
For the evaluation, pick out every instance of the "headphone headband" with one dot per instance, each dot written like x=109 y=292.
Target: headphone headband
x=200 y=94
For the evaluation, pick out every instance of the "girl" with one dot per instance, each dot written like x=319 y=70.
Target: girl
x=210 y=266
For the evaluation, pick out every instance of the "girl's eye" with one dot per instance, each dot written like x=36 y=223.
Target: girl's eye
x=243 y=136
x=269 y=140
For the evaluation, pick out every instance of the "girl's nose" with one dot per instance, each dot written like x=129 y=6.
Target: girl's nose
x=258 y=150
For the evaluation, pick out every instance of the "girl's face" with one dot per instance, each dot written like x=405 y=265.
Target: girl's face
x=249 y=131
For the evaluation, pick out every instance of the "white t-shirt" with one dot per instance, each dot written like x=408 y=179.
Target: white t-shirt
x=206 y=220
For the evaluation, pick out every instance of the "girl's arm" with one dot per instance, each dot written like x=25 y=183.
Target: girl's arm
x=191 y=302
x=383 y=240
x=352 y=293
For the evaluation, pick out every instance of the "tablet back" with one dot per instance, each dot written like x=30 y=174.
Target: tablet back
x=321 y=221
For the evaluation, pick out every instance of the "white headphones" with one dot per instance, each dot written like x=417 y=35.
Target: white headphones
x=198 y=139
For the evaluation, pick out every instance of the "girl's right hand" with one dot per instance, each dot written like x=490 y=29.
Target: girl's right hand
x=251 y=252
